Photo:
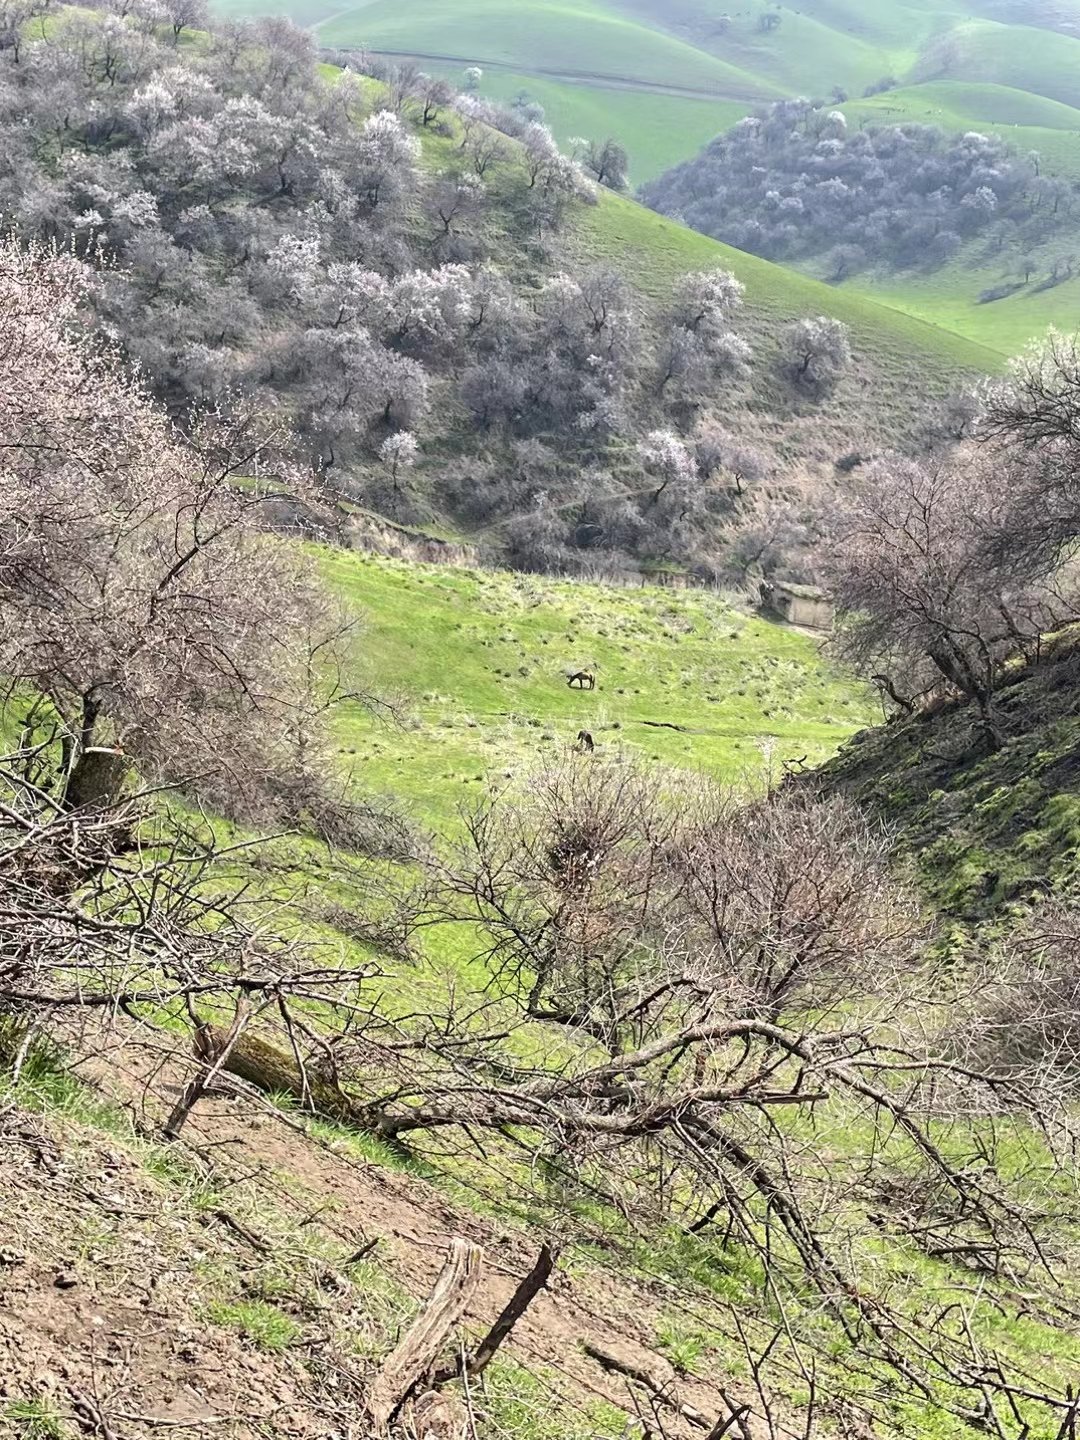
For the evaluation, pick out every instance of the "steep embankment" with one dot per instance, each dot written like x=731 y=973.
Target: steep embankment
x=986 y=832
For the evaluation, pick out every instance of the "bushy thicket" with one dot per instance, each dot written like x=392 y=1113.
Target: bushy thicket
x=793 y=182
x=265 y=228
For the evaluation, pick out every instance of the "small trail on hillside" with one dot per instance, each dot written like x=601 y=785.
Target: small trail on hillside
x=595 y=78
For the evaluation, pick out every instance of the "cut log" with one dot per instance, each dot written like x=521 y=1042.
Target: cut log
x=415 y=1356
x=437 y=1417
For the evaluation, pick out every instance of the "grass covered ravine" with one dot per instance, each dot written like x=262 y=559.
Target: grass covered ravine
x=478 y=664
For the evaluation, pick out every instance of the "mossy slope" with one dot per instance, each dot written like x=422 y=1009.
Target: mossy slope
x=987 y=832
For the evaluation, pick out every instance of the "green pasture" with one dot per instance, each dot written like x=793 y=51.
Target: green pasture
x=659 y=73
x=477 y=663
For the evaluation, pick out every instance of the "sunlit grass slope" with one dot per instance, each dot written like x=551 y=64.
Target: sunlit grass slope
x=585 y=37
x=653 y=124
x=479 y=663
x=949 y=298
x=580 y=57
x=654 y=251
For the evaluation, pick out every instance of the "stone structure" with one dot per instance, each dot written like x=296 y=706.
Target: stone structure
x=804 y=605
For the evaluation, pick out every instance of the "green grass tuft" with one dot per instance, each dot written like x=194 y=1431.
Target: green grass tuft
x=262 y=1324
x=34 y=1420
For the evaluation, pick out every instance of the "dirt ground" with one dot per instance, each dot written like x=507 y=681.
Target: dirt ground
x=114 y=1259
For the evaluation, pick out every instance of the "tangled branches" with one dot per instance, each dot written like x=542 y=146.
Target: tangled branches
x=725 y=1017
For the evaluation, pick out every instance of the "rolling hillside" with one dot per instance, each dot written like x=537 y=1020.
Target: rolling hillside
x=652 y=1085
x=665 y=75
x=666 y=78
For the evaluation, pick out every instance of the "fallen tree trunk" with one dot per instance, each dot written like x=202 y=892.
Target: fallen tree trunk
x=275 y=1071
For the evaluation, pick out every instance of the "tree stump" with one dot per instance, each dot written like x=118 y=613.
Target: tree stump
x=418 y=1350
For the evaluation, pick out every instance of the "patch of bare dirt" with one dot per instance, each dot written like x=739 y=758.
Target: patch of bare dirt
x=109 y=1278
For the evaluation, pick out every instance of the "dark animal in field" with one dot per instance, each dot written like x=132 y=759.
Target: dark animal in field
x=582 y=680
x=585 y=742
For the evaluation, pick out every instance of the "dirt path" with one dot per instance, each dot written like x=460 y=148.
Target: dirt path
x=595 y=79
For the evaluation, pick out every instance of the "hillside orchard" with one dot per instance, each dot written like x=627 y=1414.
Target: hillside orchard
x=389 y=269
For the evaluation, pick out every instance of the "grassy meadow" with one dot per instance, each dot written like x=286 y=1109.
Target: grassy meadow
x=477 y=663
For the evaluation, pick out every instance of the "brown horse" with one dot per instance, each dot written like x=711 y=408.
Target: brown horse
x=582 y=680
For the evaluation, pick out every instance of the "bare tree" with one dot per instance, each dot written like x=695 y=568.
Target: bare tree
x=1029 y=1016
x=1031 y=422
x=434 y=94
x=729 y=998
x=816 y=353
x=605 y=160
x=486 y=149
x=15 y=17
x=701 y=347
x=142 y=602
x=718 y=452
x=915 y=560
x=187 y=15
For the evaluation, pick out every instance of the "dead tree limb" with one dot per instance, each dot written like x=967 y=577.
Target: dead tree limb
x=416 y=1353
x=519 y=1302
x=736 y=1418
x=663 y=1393
x=212 y=1049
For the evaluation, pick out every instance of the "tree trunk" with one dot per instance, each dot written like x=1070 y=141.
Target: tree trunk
x=96 y=780
x=274 y=1070
x=957 y=667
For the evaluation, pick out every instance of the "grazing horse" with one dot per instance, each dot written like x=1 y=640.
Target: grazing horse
x=582 y=679
x=585 y=742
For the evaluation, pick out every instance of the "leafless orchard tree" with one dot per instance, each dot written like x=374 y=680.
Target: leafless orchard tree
x=815 y=354
x=1030 y=1001
x=923 y=562
x=1032 y=419
x=160 y=649
x=956 y=568
x=148 y=619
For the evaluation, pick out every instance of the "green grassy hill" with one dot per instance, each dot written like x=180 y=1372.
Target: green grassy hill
x=479 y=662
x=950 y=297
x=665 y=75
x=653 y=252
x=665 y=78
